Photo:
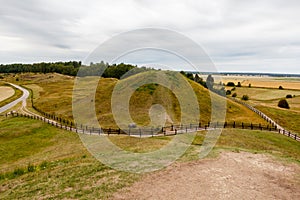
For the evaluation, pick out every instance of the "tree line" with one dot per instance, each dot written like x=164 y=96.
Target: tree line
x=75 y=68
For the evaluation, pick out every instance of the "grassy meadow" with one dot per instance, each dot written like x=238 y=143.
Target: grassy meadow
x=42 y=162
x=264 y=81
x=266 y=100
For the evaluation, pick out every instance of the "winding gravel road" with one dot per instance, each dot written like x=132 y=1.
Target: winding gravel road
x=22 y=98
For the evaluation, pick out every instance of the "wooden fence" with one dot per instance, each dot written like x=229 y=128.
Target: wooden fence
x=162 y=131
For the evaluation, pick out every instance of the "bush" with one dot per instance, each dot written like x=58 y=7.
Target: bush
x=289 y=96
x=234 y=88
x=283 y=104
x=249 y=85
x=234 y=95
x=230 y=84
x=280 y=88
x=245 y=97
x=30 y=168
x=239 y=84
x=228 y=92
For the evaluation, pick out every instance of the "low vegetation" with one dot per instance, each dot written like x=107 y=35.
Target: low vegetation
x=245 y=97
x=41 y=161
x=283 y=104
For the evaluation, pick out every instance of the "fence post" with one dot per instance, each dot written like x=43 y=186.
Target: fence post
x=152 y=131
x=175 y=131
x=251 y=126
x=199 y=124
x=172 y=127
x=119 y=131
x=295 y=136
x=242 y=125
x=234 y=124
x=140 y=133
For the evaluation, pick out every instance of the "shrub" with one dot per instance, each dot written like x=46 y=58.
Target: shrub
x=234 y=88
x=280 y=88
x=289 y=96
x=18 y=172
x=283 y=104
x=245 y=97
x=230 y=84
x=249 y=85
x=30 y=168
x=228 y=92
x=234 y=95
x=239 y=84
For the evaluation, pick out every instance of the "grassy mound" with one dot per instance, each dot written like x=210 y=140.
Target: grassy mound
x=52 y=93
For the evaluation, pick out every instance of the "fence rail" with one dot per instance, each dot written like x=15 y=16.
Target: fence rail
x=166 y=130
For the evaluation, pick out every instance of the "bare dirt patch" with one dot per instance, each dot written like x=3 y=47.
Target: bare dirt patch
x=230 y=176
x=6 y=92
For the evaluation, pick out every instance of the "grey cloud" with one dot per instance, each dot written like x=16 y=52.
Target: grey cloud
x=239 y=35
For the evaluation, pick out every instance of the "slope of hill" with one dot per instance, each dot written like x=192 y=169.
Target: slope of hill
x=52 y=93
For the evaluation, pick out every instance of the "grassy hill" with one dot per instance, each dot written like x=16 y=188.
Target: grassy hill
x=52 y=93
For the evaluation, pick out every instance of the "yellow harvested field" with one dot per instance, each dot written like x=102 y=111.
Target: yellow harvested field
x=6 y=92
x=269 y=82
x=260 y=81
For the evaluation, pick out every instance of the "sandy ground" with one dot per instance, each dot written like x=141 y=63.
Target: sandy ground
x=230 y=176
x=6 y=92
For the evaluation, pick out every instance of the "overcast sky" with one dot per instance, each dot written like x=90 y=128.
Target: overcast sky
x=238 y=35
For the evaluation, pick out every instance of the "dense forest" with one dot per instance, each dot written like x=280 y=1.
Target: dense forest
x=71 y=68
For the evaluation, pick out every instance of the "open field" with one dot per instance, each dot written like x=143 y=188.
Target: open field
x=266 y=100
x=6 y=92
x=263 y=81
x=40 y=161
x=264 y=94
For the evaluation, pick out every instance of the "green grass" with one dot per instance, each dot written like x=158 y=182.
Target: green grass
x=287 y=118
x=41 y=161
x=18 y=93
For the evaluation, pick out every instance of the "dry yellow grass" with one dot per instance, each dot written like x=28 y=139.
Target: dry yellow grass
x=52 y=93
x=6 y=92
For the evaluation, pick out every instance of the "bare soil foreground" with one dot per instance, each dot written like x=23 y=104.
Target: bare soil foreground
x=6 y=92
x=230 y=176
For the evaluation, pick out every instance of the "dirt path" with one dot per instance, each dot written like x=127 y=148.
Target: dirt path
x=6 y=92
x=231 y=176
